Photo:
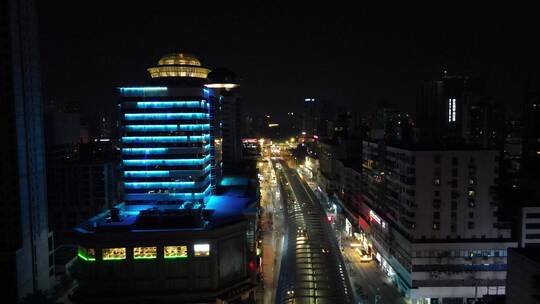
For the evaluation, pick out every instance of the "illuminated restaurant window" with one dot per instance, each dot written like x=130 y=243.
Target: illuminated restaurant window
x=114 y=253
x=171 y=252
x=144 y=252
x=201 y=249
x=87 y=254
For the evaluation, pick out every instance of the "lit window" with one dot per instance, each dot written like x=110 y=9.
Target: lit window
x=202 y=249
x=114 y=253
x=471 y=193
x=437 y=181
x=172 y=252
x=451 y=109
x=144 y=252
x=87 y=254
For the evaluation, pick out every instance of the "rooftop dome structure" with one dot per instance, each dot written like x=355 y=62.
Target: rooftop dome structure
x=222 y=78
x=179 y=65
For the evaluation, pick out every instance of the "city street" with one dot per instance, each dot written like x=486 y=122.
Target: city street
x=312 y=268
x=272 y=227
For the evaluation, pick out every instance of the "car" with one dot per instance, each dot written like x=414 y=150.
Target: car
x=364 y=255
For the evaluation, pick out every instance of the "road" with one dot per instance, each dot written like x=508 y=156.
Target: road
x=372 y=281
x=312 y=269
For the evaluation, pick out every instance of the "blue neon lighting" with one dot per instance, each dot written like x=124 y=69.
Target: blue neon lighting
x=165 y=139
x=170 y=104
x=151 y=128
x=166 y=196
x=146 y=173
x=164 y=162
x=143 y=89
x=153 y=185
x=165 y=116
x=144 y=150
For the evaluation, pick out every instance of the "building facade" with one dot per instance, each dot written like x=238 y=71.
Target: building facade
x=224 y=90
x=530 y=227
x=433 y=222
x=167 y=140
x=24 y=258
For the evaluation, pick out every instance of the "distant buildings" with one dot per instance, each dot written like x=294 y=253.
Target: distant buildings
x=81 y=184
x=455 y=109
x=24 y=252
x=184 y=232
x=310 y=117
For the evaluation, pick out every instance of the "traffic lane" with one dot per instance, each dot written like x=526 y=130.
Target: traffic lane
x=306 y=283
x=334 y=263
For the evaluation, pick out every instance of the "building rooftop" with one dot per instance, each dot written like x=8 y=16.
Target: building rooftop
x=234 y=181
x=178 y=65
x=230 y=206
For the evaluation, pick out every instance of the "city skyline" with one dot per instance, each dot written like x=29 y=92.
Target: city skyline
x=269 y=153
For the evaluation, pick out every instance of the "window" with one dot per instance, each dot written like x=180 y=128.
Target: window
x=532 y=226
x=144 y=252
x=451 y=109
x=454 y=172
x=201 y=250
x=114 y=253
x=471 y=215
x=437 y=160
x=453 y=216
x=532 y=215
x=437 y=182
x=87 y=254
x=472 y=203
x=436 y=215
x=471 y=193
x=436 y=225
x=436 y=203
x=454 y=161
x=173 y=252
x=532 y=236
x=453 y=228
x=470 y=225
x=453 y=205
x=437 y=193
x=471 y=181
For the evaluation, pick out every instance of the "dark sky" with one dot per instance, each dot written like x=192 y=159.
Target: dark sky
x=350 y=55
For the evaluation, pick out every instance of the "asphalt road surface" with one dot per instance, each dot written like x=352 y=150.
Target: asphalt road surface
x=312 y=269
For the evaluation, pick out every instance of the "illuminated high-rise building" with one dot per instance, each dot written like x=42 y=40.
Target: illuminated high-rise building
x=183 y=233
x=167 y=140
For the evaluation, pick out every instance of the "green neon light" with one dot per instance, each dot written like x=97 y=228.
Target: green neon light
x=177 y=257
x=144 y=258
x=88 y=259
x=113 y=259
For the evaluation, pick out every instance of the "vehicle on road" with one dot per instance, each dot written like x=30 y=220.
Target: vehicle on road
x=364 y=255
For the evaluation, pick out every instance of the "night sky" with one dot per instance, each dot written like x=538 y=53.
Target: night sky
x=350 y=55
